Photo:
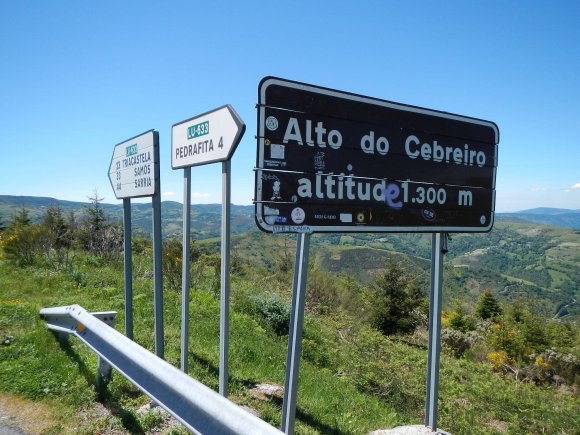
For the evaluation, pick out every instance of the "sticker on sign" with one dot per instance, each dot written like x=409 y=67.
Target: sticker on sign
x=133 y=170
x=207 y=138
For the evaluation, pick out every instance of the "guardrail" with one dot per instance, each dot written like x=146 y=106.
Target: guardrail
x=196 y=406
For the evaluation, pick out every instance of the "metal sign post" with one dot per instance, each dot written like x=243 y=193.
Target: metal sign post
x=295 y=333
x=225 y=281
x=207 y=138
x=157 y=266
x=128 y=266
x=185 y=275
x=438 y=250
x=134 y=173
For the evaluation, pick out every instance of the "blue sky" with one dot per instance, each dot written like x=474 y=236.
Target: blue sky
x=76 y=78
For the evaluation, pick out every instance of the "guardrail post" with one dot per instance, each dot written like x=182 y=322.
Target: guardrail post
x=104 y=374
x=61 y=337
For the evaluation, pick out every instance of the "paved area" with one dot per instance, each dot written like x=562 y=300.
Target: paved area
x=8 y=424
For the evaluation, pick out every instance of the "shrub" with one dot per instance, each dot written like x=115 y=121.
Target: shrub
x=508 y=338
x=498 y=359
x=273 y=311
x=322 y=290
x=172 y=263
x=460 y=321
x=459 y=342
x=555 y=367
x=141 y=245
x=22 y=245
x=214 y=261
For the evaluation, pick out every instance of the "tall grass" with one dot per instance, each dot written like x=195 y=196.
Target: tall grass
x=352 y=378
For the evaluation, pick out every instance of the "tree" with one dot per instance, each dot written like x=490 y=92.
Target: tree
x=487 y=306
x=396 y=300
x=461 y=321
x=57 y=236
x=98 y=236
x=21 y=218
x=96 y=215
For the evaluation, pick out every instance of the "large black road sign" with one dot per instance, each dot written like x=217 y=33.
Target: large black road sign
x=331 y=161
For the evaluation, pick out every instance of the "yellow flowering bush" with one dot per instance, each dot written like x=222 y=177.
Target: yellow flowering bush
x=497 y=359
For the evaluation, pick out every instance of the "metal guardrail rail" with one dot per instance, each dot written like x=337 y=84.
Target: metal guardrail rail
x=196 y=406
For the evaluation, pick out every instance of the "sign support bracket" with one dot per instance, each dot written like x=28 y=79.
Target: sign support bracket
x=295 y=333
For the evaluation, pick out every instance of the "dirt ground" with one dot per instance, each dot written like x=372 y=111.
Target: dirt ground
x=18 y=416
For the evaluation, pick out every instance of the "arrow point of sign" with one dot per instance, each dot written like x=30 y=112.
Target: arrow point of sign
x=229 y=132
x=241 y=127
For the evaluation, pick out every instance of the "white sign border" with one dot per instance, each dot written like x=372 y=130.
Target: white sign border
x=155 y=164
x=259 y=217
x=237 y=139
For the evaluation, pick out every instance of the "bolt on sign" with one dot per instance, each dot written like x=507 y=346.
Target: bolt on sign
x=332 y=161
x=132 y=170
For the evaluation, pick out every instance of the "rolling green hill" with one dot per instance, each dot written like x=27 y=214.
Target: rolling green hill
x=516 y=260
x=538 y=264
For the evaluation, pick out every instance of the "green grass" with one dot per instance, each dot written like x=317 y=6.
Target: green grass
x=352 y=379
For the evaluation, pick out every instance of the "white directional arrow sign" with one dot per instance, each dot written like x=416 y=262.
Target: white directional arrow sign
x=132 y=171
x=208 y=138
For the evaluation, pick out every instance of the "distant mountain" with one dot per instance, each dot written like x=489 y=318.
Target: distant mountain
x=205 y=218
x=548 y=211
x=557 y=217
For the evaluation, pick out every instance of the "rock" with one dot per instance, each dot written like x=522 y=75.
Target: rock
x=144 y=409
x=267 y=391
x=416 y=429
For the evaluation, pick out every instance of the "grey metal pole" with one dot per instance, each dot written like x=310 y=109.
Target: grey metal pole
x=157 y=270
x=295 y=334
x=438 y=250
x=128 y=262
x=185 y=278
x=225 y=280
